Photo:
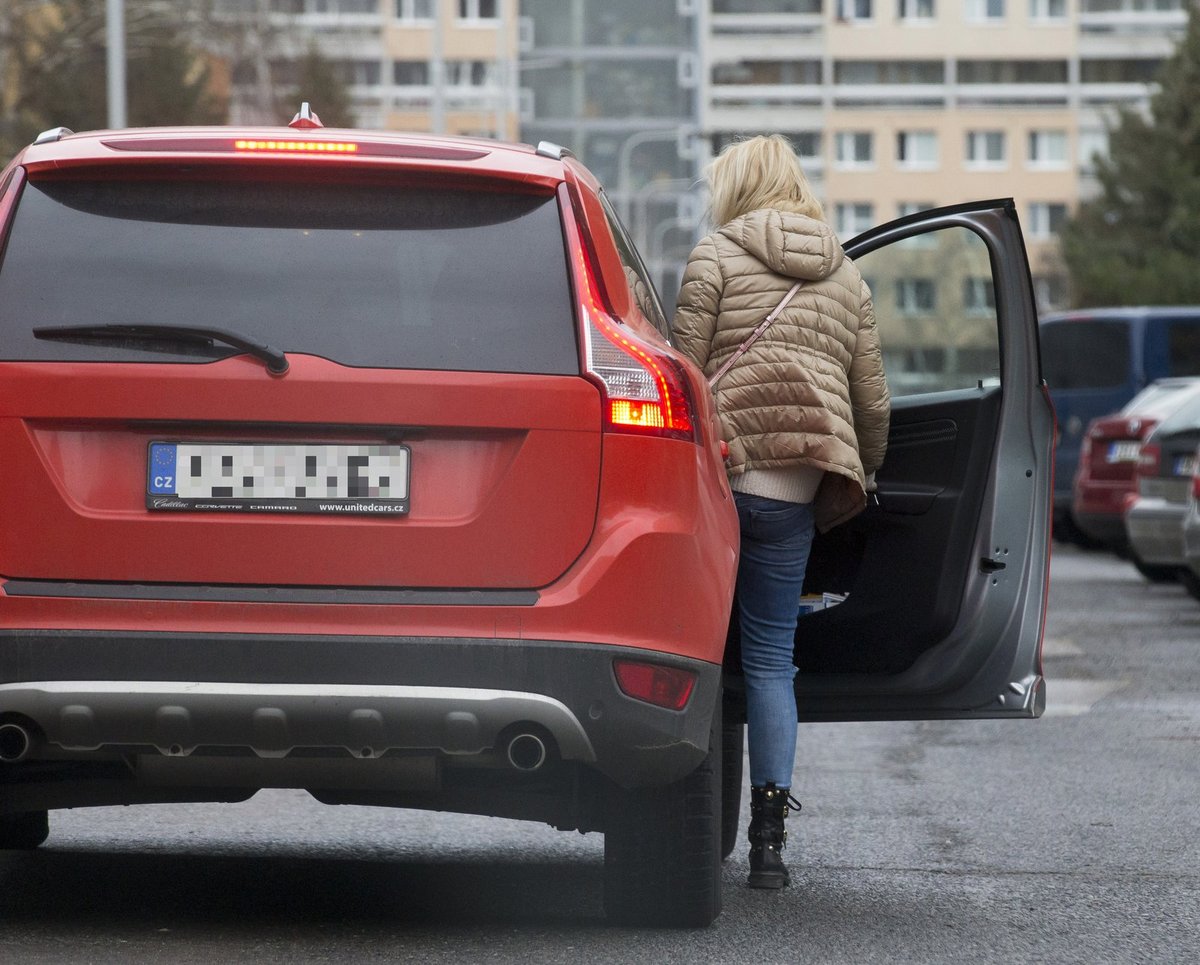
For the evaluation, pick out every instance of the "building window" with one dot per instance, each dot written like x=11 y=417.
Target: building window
x=854 y=149
x=979 y=297
x=1050 y=293
x=985 y=150
x=985 y=10
x=917 y=149
x=768 y=72
x=1048 y=9
x=1012 y=71
x=470 y=73
x=915 y=9
x=853 y=218
x=414 y=9
x=916 y=296
x=889 y=72
x=926 y=240
x=1046 y=218
x=1093 y=144
x=358 y=72
x=410 y=73
x=1123 y=71
x=477 y=9
x=855 y=9
x=1048 y=149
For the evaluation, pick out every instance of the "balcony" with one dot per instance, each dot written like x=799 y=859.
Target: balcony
x=767 y=24
x=1014 y=94
x=892 y=95
x=765 y=95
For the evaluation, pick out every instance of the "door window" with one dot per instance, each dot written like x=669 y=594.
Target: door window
x=641 y=288
x=935 y=311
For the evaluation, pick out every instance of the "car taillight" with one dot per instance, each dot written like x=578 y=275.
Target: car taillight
x=1148 y=459
x=1196 y=480
x=668 y=687
x=645 y=391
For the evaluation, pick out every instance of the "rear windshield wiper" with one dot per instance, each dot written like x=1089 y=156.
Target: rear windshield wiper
x=275 y=361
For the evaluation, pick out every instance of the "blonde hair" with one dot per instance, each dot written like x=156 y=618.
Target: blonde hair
x=761 y=172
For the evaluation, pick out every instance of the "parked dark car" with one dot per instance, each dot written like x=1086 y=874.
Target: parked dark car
x=361 y=462
x=1095 y=361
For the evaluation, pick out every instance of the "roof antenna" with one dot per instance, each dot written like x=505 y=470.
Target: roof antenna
x=305 y=119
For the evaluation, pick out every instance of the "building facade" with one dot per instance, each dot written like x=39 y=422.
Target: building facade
x=899 y=105
x=446 y=66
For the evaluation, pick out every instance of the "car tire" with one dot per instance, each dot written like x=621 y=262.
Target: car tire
x=1155 y=573
x=24 y=831
x=1190 y=581
x=662 y=848
x=733 y=742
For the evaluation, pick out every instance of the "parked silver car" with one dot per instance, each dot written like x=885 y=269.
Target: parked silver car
x=1166 y=464
x=1191 y=532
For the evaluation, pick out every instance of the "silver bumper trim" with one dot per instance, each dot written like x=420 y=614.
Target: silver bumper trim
x=177 y=717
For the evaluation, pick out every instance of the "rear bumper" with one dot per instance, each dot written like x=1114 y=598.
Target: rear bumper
x=1155 y=528
x=1106 y=528
x=273 y=697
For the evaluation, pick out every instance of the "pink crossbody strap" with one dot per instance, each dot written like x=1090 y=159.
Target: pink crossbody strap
x=753 y=337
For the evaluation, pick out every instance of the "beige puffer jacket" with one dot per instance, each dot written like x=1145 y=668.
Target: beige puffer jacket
x=811 y=390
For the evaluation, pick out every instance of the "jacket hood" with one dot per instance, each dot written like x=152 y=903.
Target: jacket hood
x=789 y=244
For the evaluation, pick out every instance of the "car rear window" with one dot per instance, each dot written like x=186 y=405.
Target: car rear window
x=1085 y=354
x=380 y=276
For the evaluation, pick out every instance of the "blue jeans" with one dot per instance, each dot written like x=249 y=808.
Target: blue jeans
x=776 y=539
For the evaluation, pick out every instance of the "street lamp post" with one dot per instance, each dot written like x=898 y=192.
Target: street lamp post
x=115 y=26
x=625 y=155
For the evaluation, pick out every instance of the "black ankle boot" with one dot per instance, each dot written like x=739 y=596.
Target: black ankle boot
x=768 y=810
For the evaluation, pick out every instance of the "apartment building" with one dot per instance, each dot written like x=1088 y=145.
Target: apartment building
x=423 y=65
x=899 y=105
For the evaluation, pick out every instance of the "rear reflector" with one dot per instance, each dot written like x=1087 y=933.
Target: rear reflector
x=667 y=687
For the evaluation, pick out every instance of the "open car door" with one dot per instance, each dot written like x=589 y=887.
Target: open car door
x=944 y=575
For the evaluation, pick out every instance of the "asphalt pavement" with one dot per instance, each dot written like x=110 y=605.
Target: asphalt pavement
x=1075 y=838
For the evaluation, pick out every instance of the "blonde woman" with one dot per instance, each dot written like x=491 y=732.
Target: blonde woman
x=805 y=414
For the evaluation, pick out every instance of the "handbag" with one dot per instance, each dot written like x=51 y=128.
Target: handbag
x=753 y=337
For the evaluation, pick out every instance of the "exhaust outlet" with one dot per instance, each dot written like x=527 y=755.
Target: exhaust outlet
x=527 y=752
x=15 y=742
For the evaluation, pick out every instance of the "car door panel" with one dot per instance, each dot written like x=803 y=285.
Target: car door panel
x=944 y=574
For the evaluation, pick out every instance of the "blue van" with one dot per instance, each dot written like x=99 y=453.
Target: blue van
x=1094 y=361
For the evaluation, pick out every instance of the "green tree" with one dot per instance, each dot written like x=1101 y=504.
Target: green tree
x=319 y=83
x=55 y=58
x=1138 y=241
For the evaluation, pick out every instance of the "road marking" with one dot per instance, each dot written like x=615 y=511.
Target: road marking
x=1060 y=647
x=1070 y=698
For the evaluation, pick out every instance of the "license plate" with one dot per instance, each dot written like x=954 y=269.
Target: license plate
x=1123 y=451
x=368 y=480
x=1185 y=465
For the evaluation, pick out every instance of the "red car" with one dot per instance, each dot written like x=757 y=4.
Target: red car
x=1106 y=479
x=362 y=463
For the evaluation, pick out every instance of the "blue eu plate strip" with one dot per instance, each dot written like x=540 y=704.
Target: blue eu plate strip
x=160 y=479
